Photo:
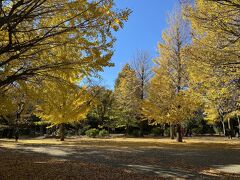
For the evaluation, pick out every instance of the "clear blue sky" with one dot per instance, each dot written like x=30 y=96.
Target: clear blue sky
x=141 y=32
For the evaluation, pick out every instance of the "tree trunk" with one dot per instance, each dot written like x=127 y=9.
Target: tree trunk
x=224 y=129
x=238 y=126
x=229 y=124
x=41 y=130
x=16 y=133
x=179 y=133
x=61 y=132
x=141 y=128
x=172 y=131
x=127 y=130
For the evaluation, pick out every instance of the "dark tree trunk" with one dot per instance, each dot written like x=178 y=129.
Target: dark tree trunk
x=229 y=124
x=41 y=130
x=172 y=131
x=61 y=132
x=238 y=126
x=231 y=132
x=127 y=130
x=141 y=127
x=16 y=133
x=224 y=129
x=179 y=133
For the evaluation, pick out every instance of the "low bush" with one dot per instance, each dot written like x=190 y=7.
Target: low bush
x=167 y=132
x=103 y=133
x=92 y=132
x=157 y=131
x=136 y=133
x=83 y=130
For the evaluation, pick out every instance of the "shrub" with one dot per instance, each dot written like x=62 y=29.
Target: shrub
x=83 y=130
x=103 y=133
x=196 y=131
x=157 y=131
x=167 y=132
x=92 y=132
x=217 y=130
x=71 y=133
x=135 y=133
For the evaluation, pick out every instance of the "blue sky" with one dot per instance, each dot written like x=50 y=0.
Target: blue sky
x=141 y=32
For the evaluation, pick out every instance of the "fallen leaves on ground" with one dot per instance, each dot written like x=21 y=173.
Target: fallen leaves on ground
x=17 y=165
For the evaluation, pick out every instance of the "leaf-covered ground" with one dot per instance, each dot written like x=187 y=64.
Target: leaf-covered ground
x=120 y=158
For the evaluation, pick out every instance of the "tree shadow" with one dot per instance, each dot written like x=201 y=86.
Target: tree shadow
x=164 y=160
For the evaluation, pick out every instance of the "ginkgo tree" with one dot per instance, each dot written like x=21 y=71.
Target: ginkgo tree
x=126 y=99
x=214 y=55
x=215 y=30
x=61 y=104
x=220 y=97
x=16 y=106
x=164 y=105
x=44 y=43
x=170 y=98
x=34 y=34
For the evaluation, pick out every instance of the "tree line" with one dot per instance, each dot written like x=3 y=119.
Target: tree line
x=48 y=50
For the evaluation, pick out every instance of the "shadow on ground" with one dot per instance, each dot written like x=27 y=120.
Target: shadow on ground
x=196 y=160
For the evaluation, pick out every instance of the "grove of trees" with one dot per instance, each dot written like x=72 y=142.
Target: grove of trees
x=49 y=48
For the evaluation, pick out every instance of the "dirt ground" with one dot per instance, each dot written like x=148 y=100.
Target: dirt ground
x=120 y=158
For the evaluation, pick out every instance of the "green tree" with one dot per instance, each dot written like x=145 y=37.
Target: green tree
x=102 y=109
